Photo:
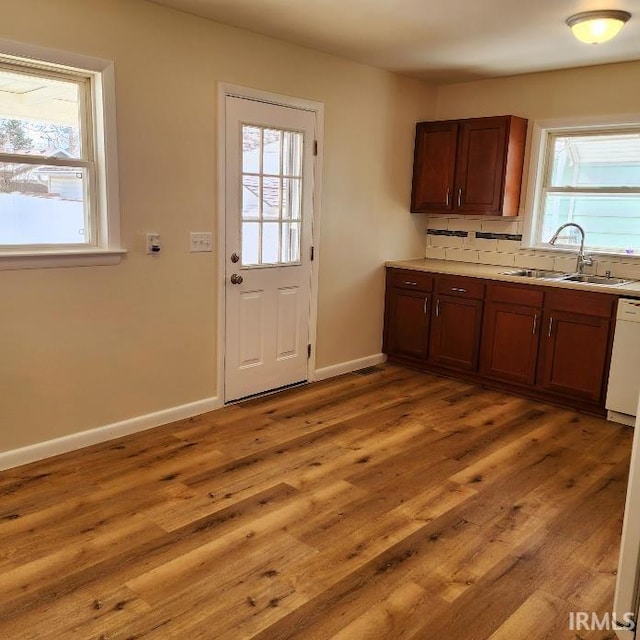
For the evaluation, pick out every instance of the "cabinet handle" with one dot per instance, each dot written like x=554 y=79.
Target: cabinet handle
x=426 y=306
x=550 y=325
x=448 y=196
x=460 y=197
x=438 y=308
x=458 y=289
x=535 y=324
x=413 y=284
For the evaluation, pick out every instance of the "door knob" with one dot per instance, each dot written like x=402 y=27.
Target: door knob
x=236 y=279
x=235 y=258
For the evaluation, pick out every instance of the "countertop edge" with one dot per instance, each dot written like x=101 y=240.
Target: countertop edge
x=493 y=272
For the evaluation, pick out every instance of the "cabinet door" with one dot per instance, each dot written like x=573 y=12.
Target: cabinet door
x=574 y=354
x=434 y=166
x=481 y=166
x=407 y=324
x=455 y=334
x=510 y=337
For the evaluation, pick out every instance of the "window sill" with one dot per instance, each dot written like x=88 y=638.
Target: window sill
x=52 y=259
x=557 y=252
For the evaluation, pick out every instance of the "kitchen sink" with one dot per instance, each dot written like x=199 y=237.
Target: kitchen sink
x=581 y=277
x=543 y=274
x=536 y=273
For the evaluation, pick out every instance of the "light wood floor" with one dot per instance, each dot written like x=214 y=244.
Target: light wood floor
x=382 y=506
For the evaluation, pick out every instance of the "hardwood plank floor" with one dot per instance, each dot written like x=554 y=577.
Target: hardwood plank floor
x=390 y=505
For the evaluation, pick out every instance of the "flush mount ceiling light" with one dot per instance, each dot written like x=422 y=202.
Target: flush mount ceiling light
x=594 y=27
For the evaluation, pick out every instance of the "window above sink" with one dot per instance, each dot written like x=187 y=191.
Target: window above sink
x=587 y=173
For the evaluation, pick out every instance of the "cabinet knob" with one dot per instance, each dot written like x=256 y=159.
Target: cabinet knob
x=460 y=197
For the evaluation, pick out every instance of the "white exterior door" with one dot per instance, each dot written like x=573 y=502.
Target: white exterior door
x=269 y=213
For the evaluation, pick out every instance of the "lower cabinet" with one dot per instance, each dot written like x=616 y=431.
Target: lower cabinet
x=455 y=333
x=510 y=342
x=576 y=345
x=407 y=314
x=408 y=324
x=511 y=333
x=551 y=343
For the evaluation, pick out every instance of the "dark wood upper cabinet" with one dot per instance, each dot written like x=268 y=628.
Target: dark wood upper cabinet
x=471 y=167
x=434 y=166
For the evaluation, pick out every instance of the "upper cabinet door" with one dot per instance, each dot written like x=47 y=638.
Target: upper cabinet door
x=471 y=167
x=434 y=166
x=480 y=165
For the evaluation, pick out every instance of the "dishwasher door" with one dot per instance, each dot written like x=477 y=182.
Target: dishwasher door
x=624 y=377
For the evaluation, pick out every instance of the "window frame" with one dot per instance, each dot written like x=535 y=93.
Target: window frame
x=98 y=131
x=539 y=170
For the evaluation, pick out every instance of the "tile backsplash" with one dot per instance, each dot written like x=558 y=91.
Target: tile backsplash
x=499 y=242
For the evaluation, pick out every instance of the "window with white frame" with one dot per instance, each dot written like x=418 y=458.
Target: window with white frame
x=590 y=176
x=58 y=189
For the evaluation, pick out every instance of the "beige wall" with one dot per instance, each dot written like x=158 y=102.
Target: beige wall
x=84 y=347
x=592 y=91
x=607 y=90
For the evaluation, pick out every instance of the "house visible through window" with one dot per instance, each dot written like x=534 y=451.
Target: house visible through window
x=58 y=184
x=591 y=177
x=46 y=160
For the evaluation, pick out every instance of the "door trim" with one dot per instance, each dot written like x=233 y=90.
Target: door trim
x=232 y=90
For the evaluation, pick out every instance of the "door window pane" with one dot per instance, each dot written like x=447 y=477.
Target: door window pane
x=271 y=195
x=250 y=243
x=250 y=197
x=290 y=242
x=251 y=149
x=271 y=152
x=292 y=154
x=270 y=243
x=291 y=198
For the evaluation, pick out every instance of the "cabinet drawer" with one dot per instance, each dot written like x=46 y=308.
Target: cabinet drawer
x=460 y=286
x=586 y=303
x=528 y=296
x=409 y=279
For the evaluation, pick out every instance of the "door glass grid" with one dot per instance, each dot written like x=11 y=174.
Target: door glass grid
x=271 y=195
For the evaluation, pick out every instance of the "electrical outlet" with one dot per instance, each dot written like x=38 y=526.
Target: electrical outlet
x=201 y=241
x=153 y=243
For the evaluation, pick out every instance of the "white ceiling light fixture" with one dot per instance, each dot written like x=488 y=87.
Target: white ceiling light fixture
x=595 y=27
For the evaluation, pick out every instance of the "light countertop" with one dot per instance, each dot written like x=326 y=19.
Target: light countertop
x=490 y=272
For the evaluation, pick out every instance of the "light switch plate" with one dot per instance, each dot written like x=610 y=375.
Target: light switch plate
x=201 y=241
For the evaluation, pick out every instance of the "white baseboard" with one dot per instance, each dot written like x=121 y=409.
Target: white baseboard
x=621 y=418
x=348 y=367
x=41 y=450
x=74 y=441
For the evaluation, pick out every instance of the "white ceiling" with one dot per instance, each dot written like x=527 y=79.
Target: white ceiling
x=438 y=40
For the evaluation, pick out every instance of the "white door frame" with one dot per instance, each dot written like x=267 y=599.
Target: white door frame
x=225 y=90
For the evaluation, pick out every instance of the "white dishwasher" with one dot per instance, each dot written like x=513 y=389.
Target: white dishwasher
x=624 y=377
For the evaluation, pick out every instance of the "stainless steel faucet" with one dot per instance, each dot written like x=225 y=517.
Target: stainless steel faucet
x=583 y=260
